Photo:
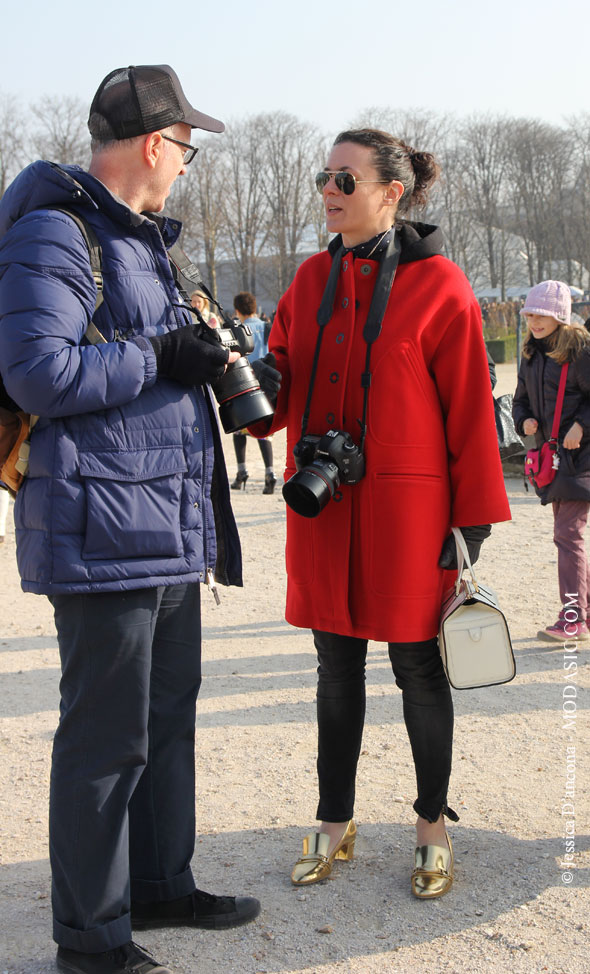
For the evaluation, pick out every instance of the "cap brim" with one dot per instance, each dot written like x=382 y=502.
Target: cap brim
x=198 y=120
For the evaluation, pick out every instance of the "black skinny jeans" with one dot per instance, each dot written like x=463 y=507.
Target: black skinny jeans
x=428 y=714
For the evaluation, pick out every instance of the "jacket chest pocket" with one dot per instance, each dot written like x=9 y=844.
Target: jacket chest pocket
x=133 y=503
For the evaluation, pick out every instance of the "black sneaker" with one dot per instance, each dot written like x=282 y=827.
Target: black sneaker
x=198 y=909
x=127 y=959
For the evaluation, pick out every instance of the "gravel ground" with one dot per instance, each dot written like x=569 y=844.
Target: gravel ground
x=516 y=905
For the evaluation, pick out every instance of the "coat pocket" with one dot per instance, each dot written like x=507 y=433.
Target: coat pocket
x=410 y=518
x=133 y=503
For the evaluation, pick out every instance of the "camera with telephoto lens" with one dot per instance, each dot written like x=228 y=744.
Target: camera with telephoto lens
x=323 y=463
x=238 y=393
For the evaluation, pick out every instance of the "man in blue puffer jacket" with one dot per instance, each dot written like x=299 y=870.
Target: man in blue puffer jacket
x=124 y=512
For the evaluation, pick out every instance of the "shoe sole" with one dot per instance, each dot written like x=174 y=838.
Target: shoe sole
x=220 y=922
x=66 y=968
x=561 y=638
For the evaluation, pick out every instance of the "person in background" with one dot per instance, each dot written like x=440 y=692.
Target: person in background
x=115 y=521
x=245 y=309
x=552 y=340
x=267 y=326
x=414 y=405
x=200 y=301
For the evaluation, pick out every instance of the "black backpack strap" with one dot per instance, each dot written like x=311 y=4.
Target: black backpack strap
x=92 y=334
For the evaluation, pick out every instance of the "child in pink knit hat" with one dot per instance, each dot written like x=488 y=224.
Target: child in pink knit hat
x=549 y=299
x=552 y=343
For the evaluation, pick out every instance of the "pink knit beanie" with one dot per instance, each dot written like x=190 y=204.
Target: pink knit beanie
x=551 y=298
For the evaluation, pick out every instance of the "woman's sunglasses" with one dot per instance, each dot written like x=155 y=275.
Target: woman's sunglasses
x=345 y=181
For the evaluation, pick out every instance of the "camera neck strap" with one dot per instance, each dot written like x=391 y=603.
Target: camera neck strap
x=187 y=275
x=372 y=329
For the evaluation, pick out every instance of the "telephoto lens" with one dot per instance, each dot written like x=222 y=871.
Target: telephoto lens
x=238 y=393
x=241 y=400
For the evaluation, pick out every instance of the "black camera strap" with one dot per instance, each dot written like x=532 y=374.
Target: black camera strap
x=372 y=329
x=187 y=275
x=324 y=314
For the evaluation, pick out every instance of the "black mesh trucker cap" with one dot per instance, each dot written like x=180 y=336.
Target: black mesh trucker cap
x=138 y=100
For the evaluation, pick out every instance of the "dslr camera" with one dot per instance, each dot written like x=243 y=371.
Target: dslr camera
x=240 y=398
x=323 y=463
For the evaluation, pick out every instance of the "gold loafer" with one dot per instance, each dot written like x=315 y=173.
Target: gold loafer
x=433 y=871
x=315 y=863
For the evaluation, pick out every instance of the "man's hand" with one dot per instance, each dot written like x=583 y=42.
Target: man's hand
x=188 y=358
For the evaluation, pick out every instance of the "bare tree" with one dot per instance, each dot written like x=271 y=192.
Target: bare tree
x=289 y=148
x=197 y=199
x=451 y=212
x=539 y=169
x=244 y=204
x=12 y=150
x=484 y=157
x=577 y=203
x=61 y=134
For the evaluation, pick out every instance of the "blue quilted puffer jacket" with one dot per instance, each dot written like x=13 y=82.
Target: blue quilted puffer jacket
x=127 y=487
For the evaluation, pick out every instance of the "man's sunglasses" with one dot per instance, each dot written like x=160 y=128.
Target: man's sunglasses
x=345 y=181
x=191 y=150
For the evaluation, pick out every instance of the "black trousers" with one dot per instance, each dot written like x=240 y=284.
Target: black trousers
x=122 y=797
x=428 y=715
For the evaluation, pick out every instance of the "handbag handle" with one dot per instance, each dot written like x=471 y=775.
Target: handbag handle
x=462 y=560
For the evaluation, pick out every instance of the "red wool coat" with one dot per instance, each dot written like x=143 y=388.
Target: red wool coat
x=366 y=566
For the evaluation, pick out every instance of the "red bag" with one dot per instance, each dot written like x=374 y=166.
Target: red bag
x=542 y=463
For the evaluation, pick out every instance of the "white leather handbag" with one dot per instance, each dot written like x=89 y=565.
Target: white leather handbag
x=474 y=640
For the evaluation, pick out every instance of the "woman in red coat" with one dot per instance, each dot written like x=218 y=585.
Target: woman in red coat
x=370 y=513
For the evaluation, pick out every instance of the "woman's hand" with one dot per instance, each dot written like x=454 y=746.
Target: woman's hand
x=530 y=427
x=573 y=437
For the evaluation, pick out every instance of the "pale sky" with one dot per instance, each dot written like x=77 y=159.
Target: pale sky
x=321 y=60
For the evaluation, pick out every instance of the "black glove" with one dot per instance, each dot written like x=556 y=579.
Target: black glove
x=269 y=378
x=474 y=538
x=188 y=358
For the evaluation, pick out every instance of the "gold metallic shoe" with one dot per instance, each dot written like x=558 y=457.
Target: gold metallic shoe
x=433 y=872
x=315 y=863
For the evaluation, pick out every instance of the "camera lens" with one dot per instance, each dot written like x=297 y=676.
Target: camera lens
x=241 y=400
x=308 y=491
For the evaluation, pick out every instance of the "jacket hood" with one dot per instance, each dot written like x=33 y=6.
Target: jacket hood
x=418 y=241
x=42 y=185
